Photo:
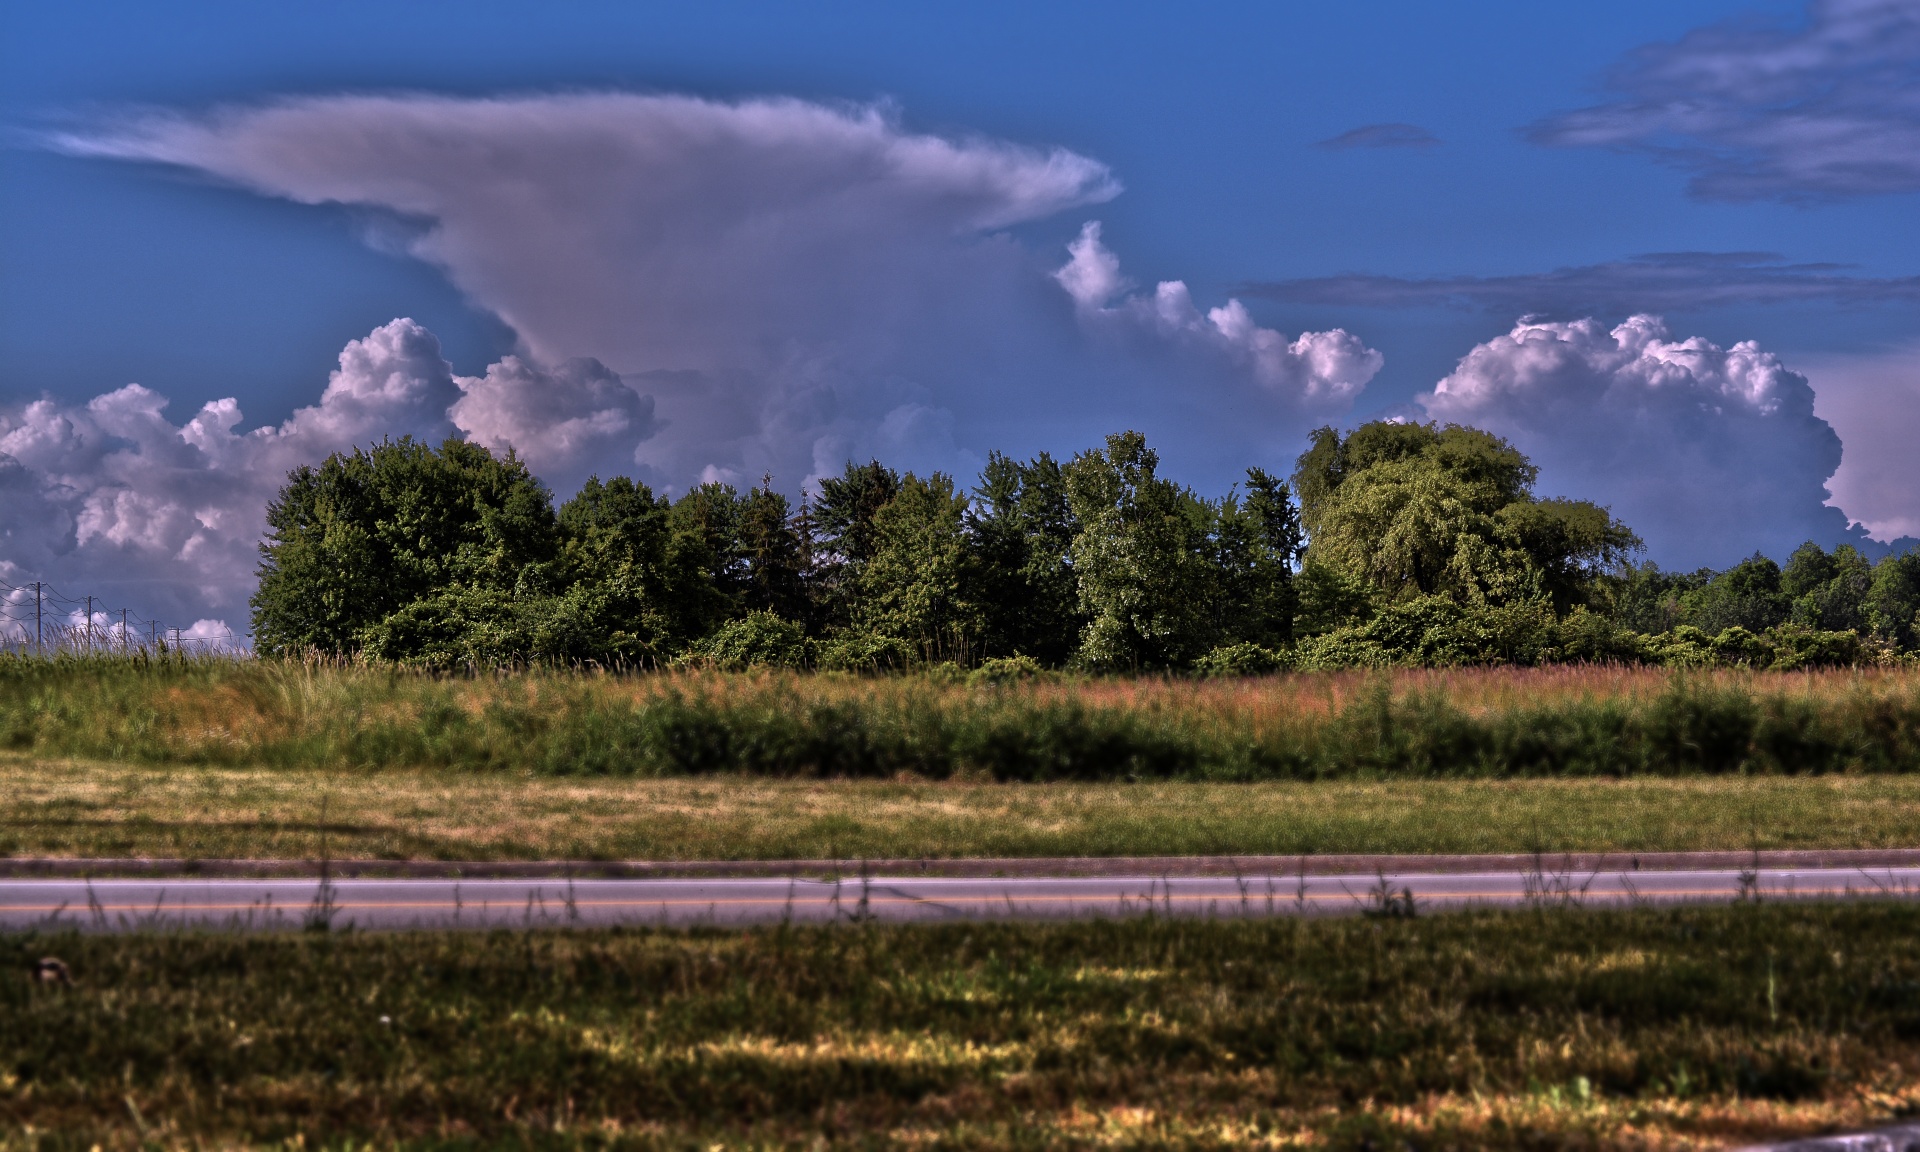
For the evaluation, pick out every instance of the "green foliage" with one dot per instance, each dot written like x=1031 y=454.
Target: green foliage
x=843 y=516
x=364 y=535
x=1006 y=670
x=1748 y=596
x=756 y=640
x=1329 y=598
x=1644 y=599
x=1140 y=558
x=1022 y=528
x=1164 y=576
x=1255 y=543
x=773 y=555
x=1437 y=631
x=1421 y=510
x=917 y=585
x=850 y=650
x=480 y=628
x=1893 y=601
x=1411 y=545
x=1242 y=659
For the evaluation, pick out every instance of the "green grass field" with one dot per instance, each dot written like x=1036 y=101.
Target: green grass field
x=87 y=808
x=1548 y=1029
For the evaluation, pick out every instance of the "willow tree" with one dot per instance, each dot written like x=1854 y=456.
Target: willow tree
x=1420 y=509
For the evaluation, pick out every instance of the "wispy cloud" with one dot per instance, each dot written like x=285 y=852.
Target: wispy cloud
x=1823 y=109
x=1381 y=136
x=1658 y=282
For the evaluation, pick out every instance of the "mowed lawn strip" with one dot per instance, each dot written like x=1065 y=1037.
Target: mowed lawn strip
x=1696 y=1027
x=93 y=809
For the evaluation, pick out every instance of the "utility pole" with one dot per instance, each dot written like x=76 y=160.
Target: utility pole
x=89 y=624
x=123 y=631
x=36 y=618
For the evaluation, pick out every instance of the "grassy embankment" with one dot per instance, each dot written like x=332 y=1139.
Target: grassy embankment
x=222 y=759
x=1542 y=1029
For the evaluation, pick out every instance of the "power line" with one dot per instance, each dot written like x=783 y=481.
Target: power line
x=73 y=624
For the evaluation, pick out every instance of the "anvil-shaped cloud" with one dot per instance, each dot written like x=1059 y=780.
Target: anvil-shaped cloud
x=700 y=289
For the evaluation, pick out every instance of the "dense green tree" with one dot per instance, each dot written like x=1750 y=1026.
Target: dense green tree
x=1569 y=542
x=1329 y=599
x=705 y=538
x=1646 y=599
x=750 y=548
x=1893 y=601
x=773 y=554
x=1141 y=558
x=843 y=515
x=1419 y=509
x=1828 y=592
x=1022 y=528
x=917 y=584
x=1748 y=596
x=843 y=535
x=1423 y=544
x=1255 y=543
x=368 y=533
x=625 y=575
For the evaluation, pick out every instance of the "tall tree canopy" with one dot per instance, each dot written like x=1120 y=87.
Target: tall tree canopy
x=1421 y=509
x=1409 y=543
x=364 y=534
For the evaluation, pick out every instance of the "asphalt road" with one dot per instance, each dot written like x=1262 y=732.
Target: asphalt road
x=125 y=905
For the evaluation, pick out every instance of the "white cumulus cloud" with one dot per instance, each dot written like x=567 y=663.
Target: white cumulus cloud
x=111 y=498
x=1318 y=371
x=1708 y=452
x=575 y=419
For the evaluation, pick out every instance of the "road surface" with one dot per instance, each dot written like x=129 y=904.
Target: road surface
x=366 y=903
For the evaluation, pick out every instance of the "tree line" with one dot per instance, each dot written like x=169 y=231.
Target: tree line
x=1396 y=543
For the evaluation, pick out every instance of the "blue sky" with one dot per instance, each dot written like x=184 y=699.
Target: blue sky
x=133 y=253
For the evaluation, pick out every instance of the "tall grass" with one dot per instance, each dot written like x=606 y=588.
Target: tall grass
x=1483 y=723
x=1529 y=1030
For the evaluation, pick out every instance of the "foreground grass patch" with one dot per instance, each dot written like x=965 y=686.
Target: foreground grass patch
x=85 y=808
x=1555 y=722
x=1534 y=1030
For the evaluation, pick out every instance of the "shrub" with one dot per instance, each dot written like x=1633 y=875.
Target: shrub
x=1793 y=646
x=756 y=640
x=865 y=652
x=1585 y=637
x=1006 y=670
x=1240 y=660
